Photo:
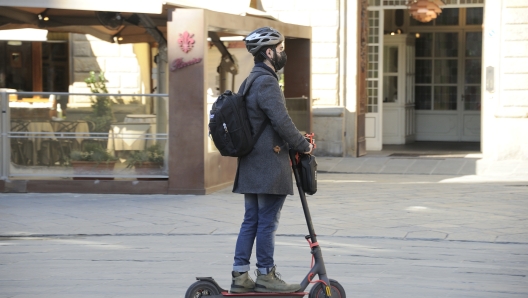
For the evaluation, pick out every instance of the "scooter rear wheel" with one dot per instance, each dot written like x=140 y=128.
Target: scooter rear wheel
x=201 y=289
x=319 y=291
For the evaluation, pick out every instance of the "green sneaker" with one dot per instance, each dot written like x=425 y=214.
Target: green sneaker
x=242 y=283
x=272 y=283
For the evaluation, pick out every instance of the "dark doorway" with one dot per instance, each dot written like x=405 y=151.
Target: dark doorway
x=55 y=68
x=16 y=65
x=34 y=66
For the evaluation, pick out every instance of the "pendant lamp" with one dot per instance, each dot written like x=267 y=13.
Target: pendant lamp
x=425 y=10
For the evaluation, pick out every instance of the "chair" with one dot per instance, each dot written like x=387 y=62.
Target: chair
x=65 y=142
x=21 y=146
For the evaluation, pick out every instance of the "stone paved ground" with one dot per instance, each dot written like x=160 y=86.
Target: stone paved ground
x=382 y=236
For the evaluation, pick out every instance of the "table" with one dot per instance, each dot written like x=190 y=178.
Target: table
x=128 y=136
x=145 y=118
x=141 y=118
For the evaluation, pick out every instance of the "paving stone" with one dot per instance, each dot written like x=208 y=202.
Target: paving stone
x=395 y=236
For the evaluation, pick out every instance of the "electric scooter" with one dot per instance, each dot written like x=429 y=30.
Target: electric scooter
x=323 y=287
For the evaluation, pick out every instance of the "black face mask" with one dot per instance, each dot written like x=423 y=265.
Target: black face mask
x=278 y=61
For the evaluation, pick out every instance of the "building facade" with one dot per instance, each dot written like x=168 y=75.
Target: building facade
x=377 y=76
x=458 y=78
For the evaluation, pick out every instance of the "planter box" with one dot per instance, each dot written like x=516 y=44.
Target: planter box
x=147 y=168
x=91 y=168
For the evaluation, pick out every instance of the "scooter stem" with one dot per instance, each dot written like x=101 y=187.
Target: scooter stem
x=304 y=203
x=318 y=265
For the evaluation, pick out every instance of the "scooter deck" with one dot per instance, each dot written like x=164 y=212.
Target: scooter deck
x=225 y=293
x=256 y=294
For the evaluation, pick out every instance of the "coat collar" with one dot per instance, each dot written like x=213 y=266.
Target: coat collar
x=261 y=66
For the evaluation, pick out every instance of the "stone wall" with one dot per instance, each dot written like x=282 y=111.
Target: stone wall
x=505 y=85
x=324 y=18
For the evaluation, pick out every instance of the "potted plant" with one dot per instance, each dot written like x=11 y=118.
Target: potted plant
x=93 y=158
x=147 y=161
x=102 y=115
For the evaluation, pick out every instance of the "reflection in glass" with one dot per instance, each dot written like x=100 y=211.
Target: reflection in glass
x=445 y=98
x=123 y=128
x=423 y=97
x=445 y=71
x=449 y=16
x=472 y=98
x=390 y=89
x=424 y=45
x=424 y=71
x=446 y=44
x=390 y=63
x=473 y=71
x=474 y=15
x=473 y=44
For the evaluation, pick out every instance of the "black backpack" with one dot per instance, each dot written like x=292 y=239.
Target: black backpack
x=229 y=124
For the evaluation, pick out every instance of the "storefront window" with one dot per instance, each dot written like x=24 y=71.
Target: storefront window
x=120 y=137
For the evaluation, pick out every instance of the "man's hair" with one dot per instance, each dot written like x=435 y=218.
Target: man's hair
x=260 y=57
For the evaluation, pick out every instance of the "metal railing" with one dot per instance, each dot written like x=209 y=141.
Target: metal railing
x=44 y=150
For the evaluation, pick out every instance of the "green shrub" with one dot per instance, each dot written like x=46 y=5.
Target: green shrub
x=92 y=152
x=152 y=154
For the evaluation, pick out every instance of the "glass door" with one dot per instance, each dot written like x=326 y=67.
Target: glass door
x=470 y=98
x=437 y=85
x=448 y=76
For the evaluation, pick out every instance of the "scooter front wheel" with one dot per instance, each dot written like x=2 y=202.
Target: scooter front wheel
x=319 y=290
x=202 y=289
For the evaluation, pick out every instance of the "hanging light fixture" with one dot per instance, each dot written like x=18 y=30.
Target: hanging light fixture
x=425 y=10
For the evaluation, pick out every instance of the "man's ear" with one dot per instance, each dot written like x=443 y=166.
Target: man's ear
x=270 y=55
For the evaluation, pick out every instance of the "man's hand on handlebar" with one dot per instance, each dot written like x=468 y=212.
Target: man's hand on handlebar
x=311 y=149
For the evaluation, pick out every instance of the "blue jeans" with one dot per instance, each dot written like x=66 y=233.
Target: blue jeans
x=261 y=221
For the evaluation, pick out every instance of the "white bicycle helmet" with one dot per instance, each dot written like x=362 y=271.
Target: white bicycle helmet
x=262 y=37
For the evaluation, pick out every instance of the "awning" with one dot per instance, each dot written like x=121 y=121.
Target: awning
x=138 y=6
x=123 y=21
x=123 y=27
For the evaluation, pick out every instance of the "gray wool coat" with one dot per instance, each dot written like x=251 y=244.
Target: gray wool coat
x=263 y=171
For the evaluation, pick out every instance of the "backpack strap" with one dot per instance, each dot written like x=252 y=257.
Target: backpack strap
x=245 y=87
x=261 y=130
x=247 y=84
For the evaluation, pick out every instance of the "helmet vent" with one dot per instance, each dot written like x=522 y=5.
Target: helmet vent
x=262 y=37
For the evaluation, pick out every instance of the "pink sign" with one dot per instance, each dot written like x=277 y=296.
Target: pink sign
x=186 y=42
x=179 y=63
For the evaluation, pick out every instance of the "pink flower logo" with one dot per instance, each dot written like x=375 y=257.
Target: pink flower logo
x=186 y=42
